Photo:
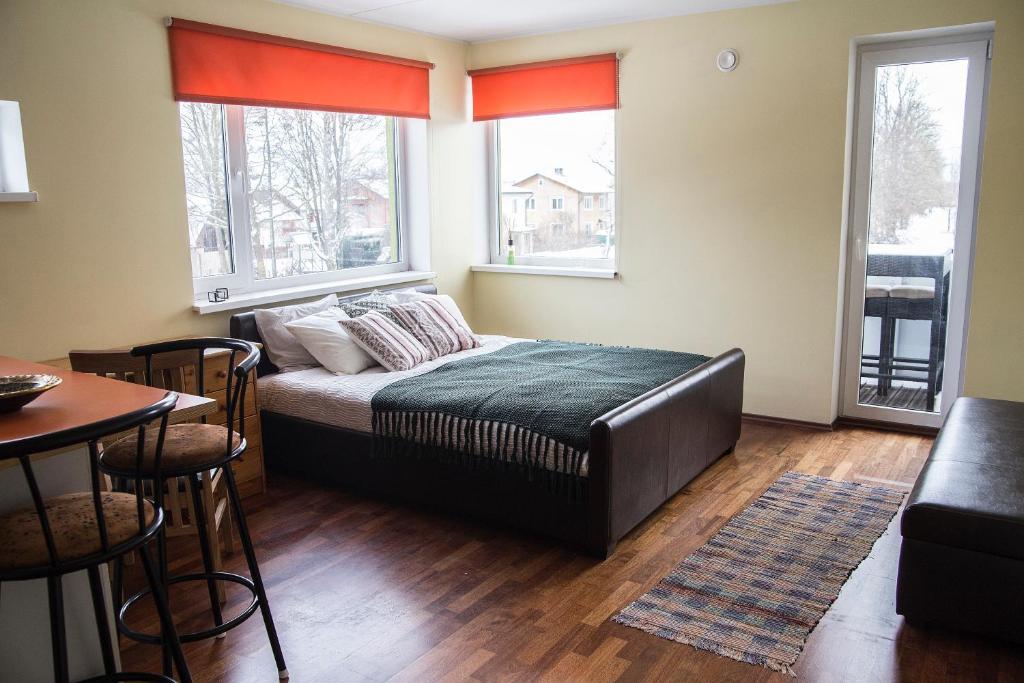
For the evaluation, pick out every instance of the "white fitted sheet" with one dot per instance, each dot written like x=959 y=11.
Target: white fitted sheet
x=319 y=395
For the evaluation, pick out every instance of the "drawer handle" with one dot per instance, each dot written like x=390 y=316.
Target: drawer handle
x=222 y=373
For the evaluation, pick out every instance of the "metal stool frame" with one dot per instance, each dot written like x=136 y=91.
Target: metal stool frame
x=57 y=568
x=237 y=382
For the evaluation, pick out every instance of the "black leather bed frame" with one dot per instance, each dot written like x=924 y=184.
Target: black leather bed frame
x=641 y=454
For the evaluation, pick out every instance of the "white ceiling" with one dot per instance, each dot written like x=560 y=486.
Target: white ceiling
x=482 y=20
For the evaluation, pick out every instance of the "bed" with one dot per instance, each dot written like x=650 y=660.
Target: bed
x=639 y=454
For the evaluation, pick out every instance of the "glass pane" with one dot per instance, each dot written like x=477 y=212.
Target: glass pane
x=558 y=185
x=206 y=193
x=321 y=191
x=917 y=133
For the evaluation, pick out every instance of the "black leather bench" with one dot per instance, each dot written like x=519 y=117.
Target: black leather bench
x=962 y=557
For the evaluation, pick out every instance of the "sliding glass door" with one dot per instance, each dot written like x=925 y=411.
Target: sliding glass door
x=917 y=128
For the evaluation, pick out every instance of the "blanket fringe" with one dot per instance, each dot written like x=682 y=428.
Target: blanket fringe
x=479 y=443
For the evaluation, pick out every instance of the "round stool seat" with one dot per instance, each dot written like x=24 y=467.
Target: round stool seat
x=187 y=448
x=73 y=521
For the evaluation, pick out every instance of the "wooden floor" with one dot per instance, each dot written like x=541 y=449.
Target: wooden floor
x=365 y=590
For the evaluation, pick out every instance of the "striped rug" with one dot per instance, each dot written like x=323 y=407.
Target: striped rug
x=756 y=590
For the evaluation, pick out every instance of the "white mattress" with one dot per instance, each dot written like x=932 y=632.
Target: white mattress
x=344 y=400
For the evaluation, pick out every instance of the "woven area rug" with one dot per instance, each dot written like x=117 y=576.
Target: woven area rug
x=757 y=589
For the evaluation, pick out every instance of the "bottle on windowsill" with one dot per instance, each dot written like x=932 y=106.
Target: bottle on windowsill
x=511 y=253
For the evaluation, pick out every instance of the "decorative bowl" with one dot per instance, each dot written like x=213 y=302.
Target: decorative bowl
x=19 y=390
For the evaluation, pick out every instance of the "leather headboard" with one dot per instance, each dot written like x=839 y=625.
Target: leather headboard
x=243 y=325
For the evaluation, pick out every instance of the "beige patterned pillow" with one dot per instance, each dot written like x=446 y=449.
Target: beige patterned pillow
x=434 y=327
x=386 y=342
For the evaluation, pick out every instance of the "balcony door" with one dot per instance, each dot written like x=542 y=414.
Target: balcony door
x=917 y=140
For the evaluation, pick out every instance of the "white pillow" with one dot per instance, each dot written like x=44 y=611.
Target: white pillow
x=405 y=296
x=281 y=346
x=328 y=342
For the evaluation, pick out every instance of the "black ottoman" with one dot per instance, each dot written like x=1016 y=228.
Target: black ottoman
x=962 y=556
x=962 y=560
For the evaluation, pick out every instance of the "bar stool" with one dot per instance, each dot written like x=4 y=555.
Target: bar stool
x=71 y=532
x=917 y=302
x=190 y=450
x=876 y=305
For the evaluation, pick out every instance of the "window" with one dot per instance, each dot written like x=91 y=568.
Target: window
x=557 y=156
x=206 y=190
x=280 y=197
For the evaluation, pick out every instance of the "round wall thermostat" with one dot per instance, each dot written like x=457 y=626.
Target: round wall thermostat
x=727 y=60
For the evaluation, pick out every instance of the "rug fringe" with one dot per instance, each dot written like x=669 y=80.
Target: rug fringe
x=867 y=509
x=699 y=643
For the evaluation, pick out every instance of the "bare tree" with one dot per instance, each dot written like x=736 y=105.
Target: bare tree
x=205 y=190
x=316 y=168
x=907 y=166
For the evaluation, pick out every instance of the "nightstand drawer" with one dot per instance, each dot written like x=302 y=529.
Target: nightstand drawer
x=221 y=416
x=250 y=465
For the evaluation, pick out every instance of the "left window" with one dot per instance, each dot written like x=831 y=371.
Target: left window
x=283 y=197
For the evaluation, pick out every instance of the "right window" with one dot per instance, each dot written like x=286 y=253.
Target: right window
x=558 y=164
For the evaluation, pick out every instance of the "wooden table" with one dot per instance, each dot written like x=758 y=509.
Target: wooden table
x=81 y=399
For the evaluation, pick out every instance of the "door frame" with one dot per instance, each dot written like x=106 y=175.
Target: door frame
x=976 y=47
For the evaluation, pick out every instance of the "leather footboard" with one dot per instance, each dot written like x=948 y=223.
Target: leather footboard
x=641 y=454
x=644 y=452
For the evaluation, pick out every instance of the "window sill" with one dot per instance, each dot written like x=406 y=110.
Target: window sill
x=273 y=296
x=562 y=271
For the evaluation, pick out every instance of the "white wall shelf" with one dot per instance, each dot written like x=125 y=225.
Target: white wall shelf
x=19 y=196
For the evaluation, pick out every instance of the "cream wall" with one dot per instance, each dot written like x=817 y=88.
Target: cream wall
x=731 y=196
x=731 y=186
x=102 y=259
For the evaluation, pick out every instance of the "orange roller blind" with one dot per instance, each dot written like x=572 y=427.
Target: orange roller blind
x=554 y=87
x=230 y=66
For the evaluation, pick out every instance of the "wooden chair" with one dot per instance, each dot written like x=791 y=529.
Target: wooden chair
x=174 y=372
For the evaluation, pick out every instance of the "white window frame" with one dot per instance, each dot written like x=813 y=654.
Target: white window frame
x=941 y=46
x=588 y=202
x=243 y=280
x=531 y=204
x=558 y=203
x=498 y=256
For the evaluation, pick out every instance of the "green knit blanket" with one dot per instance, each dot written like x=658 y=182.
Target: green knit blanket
x=530 y=403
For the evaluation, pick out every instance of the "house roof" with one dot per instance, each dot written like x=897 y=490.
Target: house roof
x=593 y=180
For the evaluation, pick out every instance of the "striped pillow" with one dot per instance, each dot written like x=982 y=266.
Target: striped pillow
x=434 y=327
x=374 y=301
x=386 y=342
